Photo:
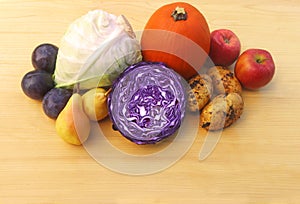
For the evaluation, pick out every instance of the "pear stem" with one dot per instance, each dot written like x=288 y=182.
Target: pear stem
x=77 y=87
x=107 y=92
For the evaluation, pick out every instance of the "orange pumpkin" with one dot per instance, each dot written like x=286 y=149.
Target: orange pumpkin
x=178 y=35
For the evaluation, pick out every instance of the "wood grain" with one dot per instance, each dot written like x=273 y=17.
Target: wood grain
x=257 y=160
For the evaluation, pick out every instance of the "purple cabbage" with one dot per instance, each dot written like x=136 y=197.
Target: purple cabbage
x=147 y=102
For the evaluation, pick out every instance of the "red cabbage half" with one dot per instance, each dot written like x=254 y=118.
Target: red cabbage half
x=147 y=102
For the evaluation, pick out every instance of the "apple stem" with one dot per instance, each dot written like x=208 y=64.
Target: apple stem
x=260 y=60
x=226 y=40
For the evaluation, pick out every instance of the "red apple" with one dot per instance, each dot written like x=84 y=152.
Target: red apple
x=225 y=47
x=254 y=68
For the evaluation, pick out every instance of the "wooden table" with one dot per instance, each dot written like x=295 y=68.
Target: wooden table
x=257 y=160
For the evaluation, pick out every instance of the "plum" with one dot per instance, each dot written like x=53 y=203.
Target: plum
x=55 y=100
x=35 y=84
x=44 y=57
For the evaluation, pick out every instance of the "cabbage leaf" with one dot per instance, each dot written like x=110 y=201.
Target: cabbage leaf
x=95 y=49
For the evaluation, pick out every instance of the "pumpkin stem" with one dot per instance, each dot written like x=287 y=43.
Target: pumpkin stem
x=179 y=14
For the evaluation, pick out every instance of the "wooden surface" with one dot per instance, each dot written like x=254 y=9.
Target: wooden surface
x=257 y=160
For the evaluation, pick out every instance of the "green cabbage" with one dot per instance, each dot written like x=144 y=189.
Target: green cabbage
x=96 y=48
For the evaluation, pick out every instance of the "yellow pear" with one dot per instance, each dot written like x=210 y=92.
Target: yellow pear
x=95 y=104
x=72 y=124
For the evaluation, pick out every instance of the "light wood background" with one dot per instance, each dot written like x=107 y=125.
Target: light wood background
x=256 y=161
